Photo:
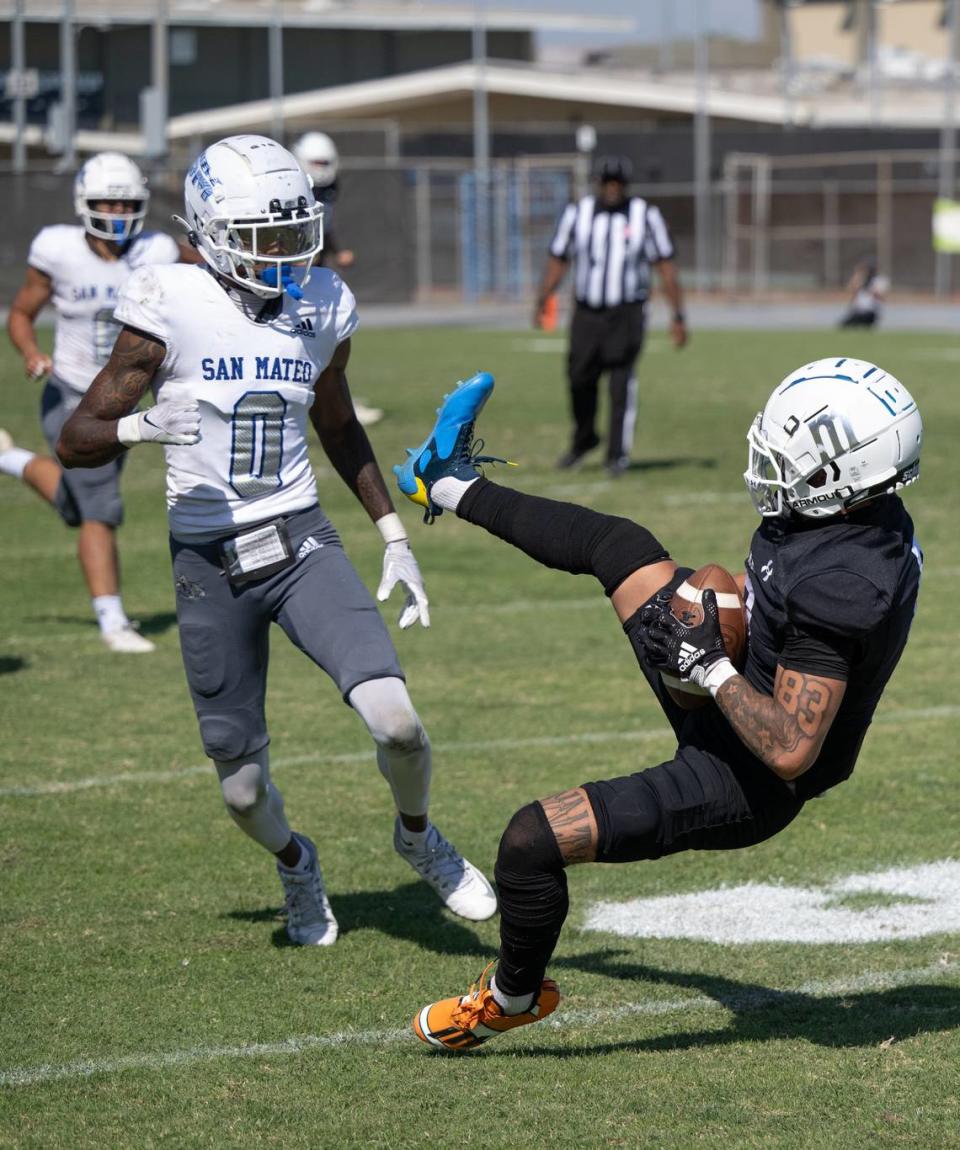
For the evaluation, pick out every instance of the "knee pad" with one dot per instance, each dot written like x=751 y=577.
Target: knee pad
x=243 y=783
x=528 y=845
x=400 y=731
x=226 y=737
x=385 y=707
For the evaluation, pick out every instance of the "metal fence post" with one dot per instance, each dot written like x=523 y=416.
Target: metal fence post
x=422 y=210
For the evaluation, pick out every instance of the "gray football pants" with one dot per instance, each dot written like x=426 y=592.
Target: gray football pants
x=319 y=602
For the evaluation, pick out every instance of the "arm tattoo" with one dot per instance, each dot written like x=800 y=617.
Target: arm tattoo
x=574 y=825
x=795 y=720
x=89 y=437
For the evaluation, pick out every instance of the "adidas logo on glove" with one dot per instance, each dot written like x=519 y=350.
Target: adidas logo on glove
x=688 y=657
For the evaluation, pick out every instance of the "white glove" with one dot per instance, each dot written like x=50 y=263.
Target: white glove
x=177 y=423
x=399 y=566
x=37 y=366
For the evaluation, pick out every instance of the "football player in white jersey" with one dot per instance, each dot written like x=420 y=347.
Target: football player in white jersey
x=80 y=269
x=240 y=355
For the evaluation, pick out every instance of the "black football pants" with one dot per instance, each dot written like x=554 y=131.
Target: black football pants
x=605 y=339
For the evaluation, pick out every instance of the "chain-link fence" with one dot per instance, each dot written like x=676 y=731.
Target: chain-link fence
x=804 y=222
x=434 y=230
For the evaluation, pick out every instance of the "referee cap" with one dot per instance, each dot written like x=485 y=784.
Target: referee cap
x=616 y=168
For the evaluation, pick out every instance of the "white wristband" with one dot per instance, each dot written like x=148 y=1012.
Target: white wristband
x=391 y=528
x=718 y=674
x=128 y=430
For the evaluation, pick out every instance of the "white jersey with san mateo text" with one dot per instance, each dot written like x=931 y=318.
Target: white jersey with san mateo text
x=85 y=292
x=254 y=383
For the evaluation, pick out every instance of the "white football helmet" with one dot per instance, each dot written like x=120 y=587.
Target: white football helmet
x=252 y=215
x=109 y=177
x=317 y=155
x=833 y=434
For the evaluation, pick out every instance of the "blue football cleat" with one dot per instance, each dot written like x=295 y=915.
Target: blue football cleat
x=449 y=449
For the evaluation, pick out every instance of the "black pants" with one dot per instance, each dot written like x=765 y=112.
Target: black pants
x=605 y=339
x=859 y=319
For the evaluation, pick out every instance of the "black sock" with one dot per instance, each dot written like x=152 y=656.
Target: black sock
x=562 y=535
x=532 y=889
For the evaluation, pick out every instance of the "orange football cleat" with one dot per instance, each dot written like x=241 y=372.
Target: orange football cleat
x=467 y=1022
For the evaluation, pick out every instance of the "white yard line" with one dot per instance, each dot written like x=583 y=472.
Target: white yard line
x=751 y=1000
x=479 y=746
x=90 y=635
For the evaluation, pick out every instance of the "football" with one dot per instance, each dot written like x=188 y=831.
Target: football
x=686 y=606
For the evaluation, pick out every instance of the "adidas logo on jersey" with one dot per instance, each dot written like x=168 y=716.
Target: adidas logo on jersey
x=309 y=544
x=688 y=657
x=305 y=328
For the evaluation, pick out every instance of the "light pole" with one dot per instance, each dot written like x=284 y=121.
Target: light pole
x=68 y=81
x=701 y=145
x=481 y=146
x=275 y=64
x=948 y=138
x=18 y=58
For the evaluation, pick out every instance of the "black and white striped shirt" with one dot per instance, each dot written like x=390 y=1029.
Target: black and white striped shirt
x=613 y=249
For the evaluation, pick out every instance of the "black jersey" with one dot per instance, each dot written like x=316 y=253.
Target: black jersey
x=833 y=598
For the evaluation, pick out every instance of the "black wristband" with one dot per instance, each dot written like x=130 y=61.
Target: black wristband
x=679 y=317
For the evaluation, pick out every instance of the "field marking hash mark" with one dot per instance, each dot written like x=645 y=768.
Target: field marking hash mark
x=20 y=1076
x=73 y=786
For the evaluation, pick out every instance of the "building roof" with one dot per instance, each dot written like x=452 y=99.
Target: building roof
x=315 y=14
x=441 y=86
x=528 y=92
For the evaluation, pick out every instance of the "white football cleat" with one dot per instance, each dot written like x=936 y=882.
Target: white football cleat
x=6 y=440
x=310 y=920
x=127 y=640
x=367 y=416
x=462 y=887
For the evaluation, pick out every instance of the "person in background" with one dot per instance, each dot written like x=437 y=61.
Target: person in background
x=867 y=290
x=80 y=269
x=612 y=238
x=317 y=155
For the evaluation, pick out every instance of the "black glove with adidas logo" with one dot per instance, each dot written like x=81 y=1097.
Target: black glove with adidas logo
x=674 y=647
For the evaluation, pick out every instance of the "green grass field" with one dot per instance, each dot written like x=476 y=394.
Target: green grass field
x=148 y=998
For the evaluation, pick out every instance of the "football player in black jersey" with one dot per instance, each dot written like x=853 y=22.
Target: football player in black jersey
x=830 y=589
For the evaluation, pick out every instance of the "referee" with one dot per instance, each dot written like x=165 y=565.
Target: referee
x=613 y=238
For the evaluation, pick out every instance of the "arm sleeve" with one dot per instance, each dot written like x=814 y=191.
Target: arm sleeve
x=657 y=243
x=43 y=253
x=141 y=304
x=562 y=240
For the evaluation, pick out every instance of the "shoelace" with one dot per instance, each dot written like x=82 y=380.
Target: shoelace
x=464 y=456
x=303 y=899
x=471 y=1008
x=445 y=863
x=475 y=459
